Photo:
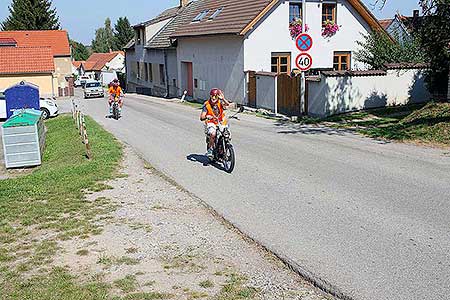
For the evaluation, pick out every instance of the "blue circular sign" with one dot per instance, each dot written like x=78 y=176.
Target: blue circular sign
x=304 y=42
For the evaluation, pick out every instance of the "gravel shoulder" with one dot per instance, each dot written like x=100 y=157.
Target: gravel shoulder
x=161 y=240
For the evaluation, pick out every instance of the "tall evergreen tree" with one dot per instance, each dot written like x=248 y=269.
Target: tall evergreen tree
x=31 y=15
x=123 y=33
x=104 y=38
x=79 y=51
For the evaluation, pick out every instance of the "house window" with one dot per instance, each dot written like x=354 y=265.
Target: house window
x=200 y=16
x=146 y=71
x=162 y=75
x=342 y=61
x=174 y=82
x=216 y=13
x=138 y=65
x=295 y=11
x=196 y=83
x=281 y=63
x=150 y=73
x=328 y=12
x=138 y=36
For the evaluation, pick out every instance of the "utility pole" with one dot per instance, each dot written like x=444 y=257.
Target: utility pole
x=303 y=78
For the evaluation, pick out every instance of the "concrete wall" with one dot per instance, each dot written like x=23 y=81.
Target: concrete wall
x=333 y=95
x=217 y=61
x=43 y=81
x=272 y=35
x=63 y=69
x=266 y=91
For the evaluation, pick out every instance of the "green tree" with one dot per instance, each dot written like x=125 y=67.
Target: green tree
x=434 y=37
x=435 y=40
x=79 y=51
x=31 y=15
x=104 y=38
x=377 y=49
x=123 y=33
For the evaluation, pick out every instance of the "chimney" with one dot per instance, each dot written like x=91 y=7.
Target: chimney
x=184 y=3
x=415 y=13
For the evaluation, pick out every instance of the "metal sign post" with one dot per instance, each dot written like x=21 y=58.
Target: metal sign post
x=303 y=78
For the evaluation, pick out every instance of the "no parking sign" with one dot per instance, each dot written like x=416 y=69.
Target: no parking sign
x=304 y=42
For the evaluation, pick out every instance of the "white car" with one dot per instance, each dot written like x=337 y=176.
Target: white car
x=48 y=107
x=93 y=89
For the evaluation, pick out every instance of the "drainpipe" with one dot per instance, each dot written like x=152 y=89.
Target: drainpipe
x=166 y=74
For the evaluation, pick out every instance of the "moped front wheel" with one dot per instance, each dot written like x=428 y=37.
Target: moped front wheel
x=229 y=160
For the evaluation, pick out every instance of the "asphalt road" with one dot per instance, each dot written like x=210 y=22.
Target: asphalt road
x=368 y=218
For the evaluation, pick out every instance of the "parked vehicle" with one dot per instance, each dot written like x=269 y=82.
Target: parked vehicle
x=81 y=81
x=47 y=105
x=223 y=149
x=93 y=89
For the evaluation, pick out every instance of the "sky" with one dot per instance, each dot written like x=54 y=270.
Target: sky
x=82 y=17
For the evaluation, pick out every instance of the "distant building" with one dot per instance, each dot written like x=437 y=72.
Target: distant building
x=401 y=27
x=30 y=64
x=58 y=42
x=104 y=66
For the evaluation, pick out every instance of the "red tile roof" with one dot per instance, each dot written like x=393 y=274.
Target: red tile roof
x=235 y=16
x=386 y=23
x=56 y=39
x=19 y=60
x=240 y=16
x=78 y=64
x=97 y=61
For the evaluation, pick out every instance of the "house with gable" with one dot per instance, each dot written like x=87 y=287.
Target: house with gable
x=58 y=42
x=151 y=57
x=401 y=27
x=104 y=66
x=225 y=39
x=203 y=44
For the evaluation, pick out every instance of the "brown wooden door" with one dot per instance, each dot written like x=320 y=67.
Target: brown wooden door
x=288 y=95
x=251 y=89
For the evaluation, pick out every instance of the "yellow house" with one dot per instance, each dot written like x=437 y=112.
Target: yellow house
x=31 y=64
x=58 y=41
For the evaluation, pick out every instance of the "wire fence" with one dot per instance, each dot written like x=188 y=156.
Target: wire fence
x=80 y=123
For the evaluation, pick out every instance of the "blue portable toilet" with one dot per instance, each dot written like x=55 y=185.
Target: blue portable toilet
x=20 y=96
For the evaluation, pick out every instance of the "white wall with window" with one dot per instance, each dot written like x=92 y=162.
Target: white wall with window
x=272 y=35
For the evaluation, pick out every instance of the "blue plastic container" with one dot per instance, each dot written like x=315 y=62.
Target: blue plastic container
x=20 y=96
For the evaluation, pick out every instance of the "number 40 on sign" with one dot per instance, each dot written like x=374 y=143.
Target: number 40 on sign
x=303 y=62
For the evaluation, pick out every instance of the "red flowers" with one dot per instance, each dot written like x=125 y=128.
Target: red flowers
x=329 y=28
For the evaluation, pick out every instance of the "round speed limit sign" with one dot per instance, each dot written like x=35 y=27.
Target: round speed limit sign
x=304 y=61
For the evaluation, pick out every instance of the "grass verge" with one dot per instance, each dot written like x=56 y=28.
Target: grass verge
x=426 y=124
x=48 y=205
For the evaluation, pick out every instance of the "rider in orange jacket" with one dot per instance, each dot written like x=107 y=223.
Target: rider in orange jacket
x=212 y=114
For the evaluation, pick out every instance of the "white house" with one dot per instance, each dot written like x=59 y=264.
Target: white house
x=223 y=40
x=402 y=27
x=105 y=66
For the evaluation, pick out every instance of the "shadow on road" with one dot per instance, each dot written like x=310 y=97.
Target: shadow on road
x=200 y=158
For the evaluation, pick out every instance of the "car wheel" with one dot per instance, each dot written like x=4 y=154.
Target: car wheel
x=45 y=113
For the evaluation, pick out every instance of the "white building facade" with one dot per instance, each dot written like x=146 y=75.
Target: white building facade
x=221 y=60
